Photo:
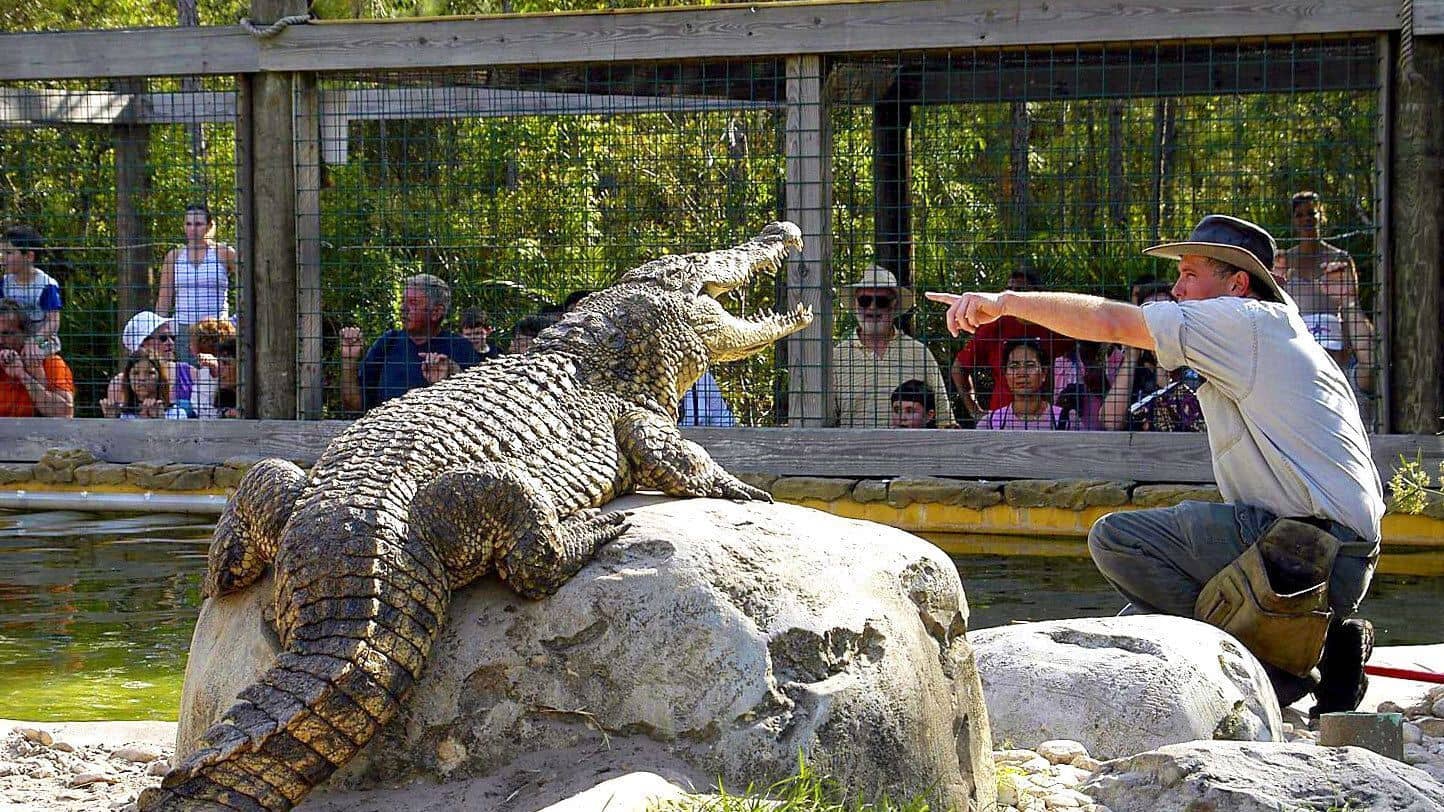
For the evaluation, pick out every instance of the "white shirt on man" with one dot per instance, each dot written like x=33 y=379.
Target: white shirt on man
x=1283 y=425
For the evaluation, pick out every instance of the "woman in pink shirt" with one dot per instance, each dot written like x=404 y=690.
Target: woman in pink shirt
x=1027 y=370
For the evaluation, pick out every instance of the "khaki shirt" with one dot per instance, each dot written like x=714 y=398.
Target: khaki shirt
x=1283 y=425
x=863 y=382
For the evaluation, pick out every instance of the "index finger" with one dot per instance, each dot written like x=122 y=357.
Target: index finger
x=945 y=298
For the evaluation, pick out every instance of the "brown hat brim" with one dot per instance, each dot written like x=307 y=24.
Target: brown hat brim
x=1233 y=255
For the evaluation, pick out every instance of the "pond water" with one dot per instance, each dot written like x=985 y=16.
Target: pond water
x=96 y=613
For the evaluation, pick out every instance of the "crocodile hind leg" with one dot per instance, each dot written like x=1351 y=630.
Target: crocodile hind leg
x=663 y=459
x=489 y=515
x=249 y=530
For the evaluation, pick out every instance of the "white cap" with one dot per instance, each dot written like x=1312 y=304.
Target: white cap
x=1327 y=329
x=139 y=328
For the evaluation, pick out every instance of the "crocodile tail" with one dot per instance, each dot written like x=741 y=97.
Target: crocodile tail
x=347 y=667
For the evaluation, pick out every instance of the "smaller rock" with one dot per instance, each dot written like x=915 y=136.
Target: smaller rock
x=158 y=767
x=1435 y=693
x=1087 y=763
x=1025 y=760
x=1431 y=726
x=64 y=747
x=1437 y=708
x=1414 y=754
x=1069 y=775
x=1060 y=801
x=85 y=779
x=42 y=771
x=1390 y=707
x=1418 y=711
x=1061 y=751
x=37 y=735
x=1412 y=733
x=140 y=754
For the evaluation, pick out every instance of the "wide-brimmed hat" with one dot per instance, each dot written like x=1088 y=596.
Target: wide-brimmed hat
x=139 y=328
x=879 y=277
x=1239 y=243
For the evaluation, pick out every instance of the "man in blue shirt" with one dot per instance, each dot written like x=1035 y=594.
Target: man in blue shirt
x=420 y=353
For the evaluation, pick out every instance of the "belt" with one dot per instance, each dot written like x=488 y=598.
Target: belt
x=1350 y=542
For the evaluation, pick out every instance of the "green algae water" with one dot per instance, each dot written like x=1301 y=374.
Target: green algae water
x=96 y=612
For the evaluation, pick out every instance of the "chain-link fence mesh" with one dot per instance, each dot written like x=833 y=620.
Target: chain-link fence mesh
x=95 y=182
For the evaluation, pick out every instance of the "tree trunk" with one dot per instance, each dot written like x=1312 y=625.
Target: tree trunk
x=132 y=188
x=1017 y=213
x=187 y=15
x=1117 y=186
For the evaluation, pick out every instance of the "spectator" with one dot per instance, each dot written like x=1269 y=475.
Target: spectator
x=144 y=391
x=985 y=351
x=419 y=354
x=156 y=335
x=206 y=339
x=31 y=383
x=525 y=330
x=1078 y=387
x=1140 y=396
x=1026 y=368
x=703 y=405
x=1322 y=278
x=226 y=403
x=869 y=365
x=914 y=406
x=476 y=327
x=36 y=291
x=195 y=279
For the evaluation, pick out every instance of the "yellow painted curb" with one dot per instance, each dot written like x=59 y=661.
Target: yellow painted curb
x=1413 y=545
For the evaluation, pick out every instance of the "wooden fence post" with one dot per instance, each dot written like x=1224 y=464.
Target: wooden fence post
x=1418 y=239
x=132 y=188
x=809 y=277
x=273 y=208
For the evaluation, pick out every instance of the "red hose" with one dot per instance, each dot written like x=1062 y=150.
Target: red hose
x=1404 y=673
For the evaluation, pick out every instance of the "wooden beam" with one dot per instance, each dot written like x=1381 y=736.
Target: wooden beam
x=808 y=200
x=308 y=245
x=134 y=283
x=789 y=452
x=1428 y=18
x=749 y=31
x=274 y=188
x=133 y=52
x=1418 y=239
x=733 y=31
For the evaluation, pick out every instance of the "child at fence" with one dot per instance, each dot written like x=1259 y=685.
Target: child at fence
x=145 y=391
x=225 y=403
x=1027 y=369
x=34 y=289
x=195 y=278
x=914 y=406
x=206 y=339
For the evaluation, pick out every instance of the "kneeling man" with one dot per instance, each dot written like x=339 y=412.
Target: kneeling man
x=1284 y=563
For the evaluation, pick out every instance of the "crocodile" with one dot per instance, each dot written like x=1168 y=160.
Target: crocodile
x=498 y=469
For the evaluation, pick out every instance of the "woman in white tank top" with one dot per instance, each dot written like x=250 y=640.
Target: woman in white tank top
x=195 y=280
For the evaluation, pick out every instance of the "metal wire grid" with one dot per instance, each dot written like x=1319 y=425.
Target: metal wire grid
x=104 y=171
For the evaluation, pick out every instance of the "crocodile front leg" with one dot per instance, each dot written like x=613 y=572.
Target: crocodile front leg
x=491 y=515
x=249 y=530
x=662 y=458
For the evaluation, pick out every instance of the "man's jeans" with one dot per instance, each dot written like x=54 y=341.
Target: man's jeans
x=1159 y=559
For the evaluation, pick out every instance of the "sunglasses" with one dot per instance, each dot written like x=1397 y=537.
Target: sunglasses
x=868 y=300
x=165 y=337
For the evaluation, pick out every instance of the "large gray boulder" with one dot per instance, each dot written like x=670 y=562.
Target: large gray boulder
x=1122 y=685
x=1262 y=777
x=714 y=641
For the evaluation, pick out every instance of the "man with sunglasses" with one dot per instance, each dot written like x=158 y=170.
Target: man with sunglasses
x=31 y=383
x=872 y=362
x=150 y=332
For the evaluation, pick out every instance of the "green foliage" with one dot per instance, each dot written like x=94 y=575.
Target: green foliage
x=1411 y=489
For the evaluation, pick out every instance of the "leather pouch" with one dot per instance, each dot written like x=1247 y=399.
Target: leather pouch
x=1275 y=596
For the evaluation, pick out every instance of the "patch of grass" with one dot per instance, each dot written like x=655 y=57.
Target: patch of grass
x=806 y=791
